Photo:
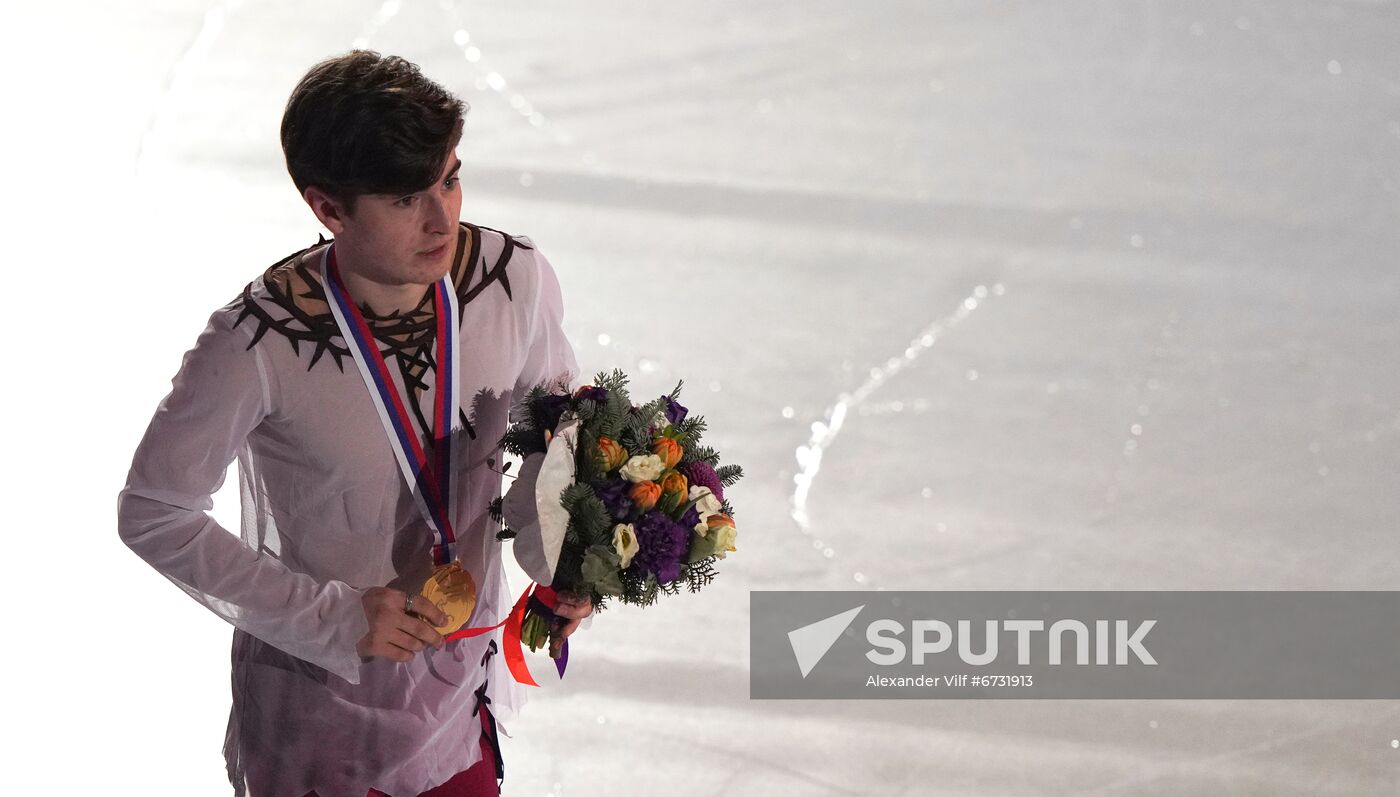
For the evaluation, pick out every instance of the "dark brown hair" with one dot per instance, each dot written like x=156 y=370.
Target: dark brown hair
x=364 y=123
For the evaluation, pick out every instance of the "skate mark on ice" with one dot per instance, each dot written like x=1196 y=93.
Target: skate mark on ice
x=824 y=433
x=491 y=79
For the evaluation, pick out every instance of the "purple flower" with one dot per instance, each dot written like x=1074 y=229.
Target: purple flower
x=700 y=473
x=664 y=543
x=690 y=518
x=613 y=494
x=675 y=413
x=598 y=394
x=548 y=410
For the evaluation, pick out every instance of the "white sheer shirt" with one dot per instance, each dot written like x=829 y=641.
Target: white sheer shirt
x=326 y=514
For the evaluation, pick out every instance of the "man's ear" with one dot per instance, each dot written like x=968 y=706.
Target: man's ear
x=331 y=212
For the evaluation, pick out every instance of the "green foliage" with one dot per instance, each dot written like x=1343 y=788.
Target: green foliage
x=650 y=409
x=701 y=548
x=532 y=404
x=588 y=468
x=698 y=574
x=567 y=574
x=612 y=415
x=729 y=474
x=699 y=452
x=638 y=589
x=688 y=431
x=589 y=523
x=585 y=409
x=634 y=436
x=523 y=439
x=599 y=571
x=494 y=510
x=614 y=382
x=650 y=589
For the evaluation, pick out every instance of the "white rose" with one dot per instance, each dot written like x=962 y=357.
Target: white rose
x=625 y=542
x=705 y=502
x=643 y=468
x=724 y=540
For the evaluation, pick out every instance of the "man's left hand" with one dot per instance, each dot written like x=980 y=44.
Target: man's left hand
x=571 y=609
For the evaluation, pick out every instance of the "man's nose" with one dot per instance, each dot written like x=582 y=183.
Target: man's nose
x=439 y=218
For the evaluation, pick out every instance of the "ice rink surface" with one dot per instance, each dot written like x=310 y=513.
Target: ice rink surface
x=1071 y=295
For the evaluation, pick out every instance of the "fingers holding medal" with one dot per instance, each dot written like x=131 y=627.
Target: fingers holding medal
x=394 y=633
x=421 y=608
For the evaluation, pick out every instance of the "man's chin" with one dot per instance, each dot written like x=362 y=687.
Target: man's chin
x=432 y=274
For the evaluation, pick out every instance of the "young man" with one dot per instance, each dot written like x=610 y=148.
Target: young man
x=322 y=379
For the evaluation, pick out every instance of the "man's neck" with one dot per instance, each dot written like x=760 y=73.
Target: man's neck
x=382 y=298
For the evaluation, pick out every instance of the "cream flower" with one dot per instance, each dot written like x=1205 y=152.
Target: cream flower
x=625 y=542
x=643 y=468
x=706 y=504
x=724 y=540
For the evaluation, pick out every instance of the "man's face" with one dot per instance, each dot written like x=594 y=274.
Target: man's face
x=408 y=238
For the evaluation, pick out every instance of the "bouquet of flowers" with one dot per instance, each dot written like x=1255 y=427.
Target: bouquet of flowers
x=613 y=500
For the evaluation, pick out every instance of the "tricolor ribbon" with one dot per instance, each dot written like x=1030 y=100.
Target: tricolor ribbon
x=431 y=483
x=431 y=480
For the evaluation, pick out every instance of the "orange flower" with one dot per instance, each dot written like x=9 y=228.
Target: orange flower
x=645 y=494
x=718 y=521
x=674 y=483
x=611 y=454
x=669 y=450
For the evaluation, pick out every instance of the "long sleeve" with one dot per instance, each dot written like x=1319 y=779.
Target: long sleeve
x=550 y=356
x=220 y=394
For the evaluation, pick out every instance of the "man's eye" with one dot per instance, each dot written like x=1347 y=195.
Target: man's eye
x=406 y=201
x=451 y=183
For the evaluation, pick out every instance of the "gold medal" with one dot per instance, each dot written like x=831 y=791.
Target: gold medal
x=452 y=590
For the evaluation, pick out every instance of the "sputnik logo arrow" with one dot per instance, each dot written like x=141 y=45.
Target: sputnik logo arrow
x=811 y=642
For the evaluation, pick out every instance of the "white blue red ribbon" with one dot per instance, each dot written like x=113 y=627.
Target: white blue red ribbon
x=430 y=482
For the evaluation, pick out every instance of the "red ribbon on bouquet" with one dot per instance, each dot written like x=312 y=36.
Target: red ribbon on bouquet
x=515 y=655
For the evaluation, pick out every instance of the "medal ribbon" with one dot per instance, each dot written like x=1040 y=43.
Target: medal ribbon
x=433 y=481
x=430 y=482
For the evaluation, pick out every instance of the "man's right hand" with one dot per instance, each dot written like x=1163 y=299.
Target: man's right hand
x=393 y=633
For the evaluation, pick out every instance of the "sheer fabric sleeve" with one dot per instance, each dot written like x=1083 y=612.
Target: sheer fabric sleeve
x=550 y=357
x=220 y=394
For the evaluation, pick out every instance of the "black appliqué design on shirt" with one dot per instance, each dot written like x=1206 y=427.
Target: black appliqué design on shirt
x=294 y=287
